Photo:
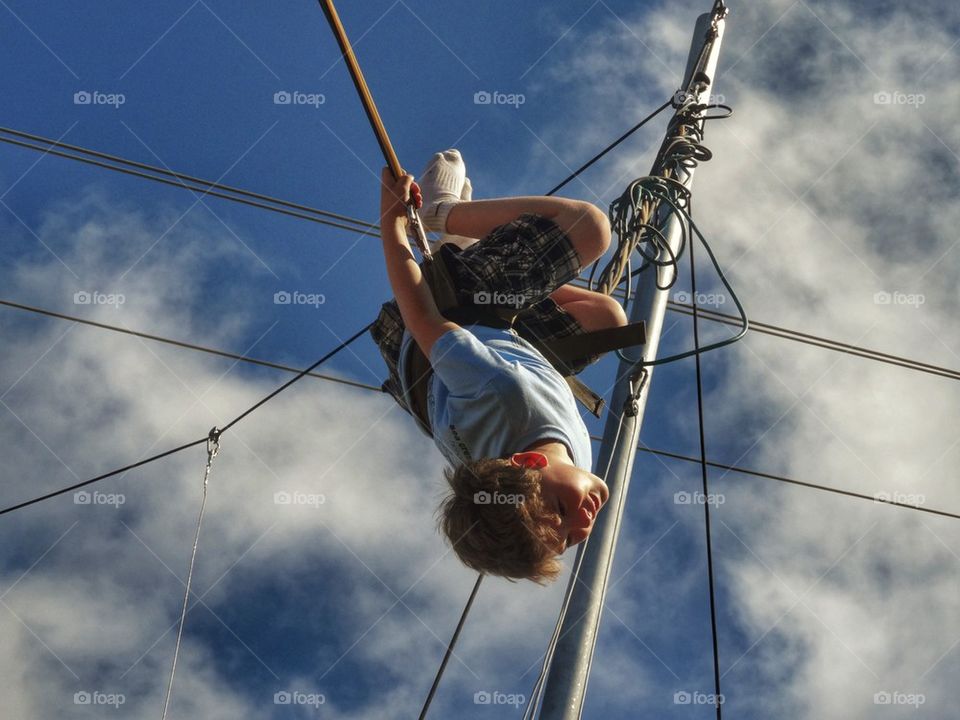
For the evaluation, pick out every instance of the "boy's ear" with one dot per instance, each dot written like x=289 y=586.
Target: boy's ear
x=531 y=459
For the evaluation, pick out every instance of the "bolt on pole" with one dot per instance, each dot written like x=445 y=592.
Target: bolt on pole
x=569 y=672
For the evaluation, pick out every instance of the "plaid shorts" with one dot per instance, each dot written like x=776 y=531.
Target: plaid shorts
x=517 y=264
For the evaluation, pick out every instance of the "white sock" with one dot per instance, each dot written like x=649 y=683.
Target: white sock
x=441 y=184
x=466 y=194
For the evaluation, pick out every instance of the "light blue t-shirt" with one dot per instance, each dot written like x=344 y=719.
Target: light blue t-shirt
x=493 y=394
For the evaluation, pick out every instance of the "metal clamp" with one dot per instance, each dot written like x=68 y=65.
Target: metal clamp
x=213 y=443
x=419 y=233
x=637 y=381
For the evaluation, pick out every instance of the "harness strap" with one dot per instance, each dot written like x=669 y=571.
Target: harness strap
x=419 y=374
x=587 y=397
x=562 y=353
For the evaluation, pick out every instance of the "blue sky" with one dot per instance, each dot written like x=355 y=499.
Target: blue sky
x=818 y=198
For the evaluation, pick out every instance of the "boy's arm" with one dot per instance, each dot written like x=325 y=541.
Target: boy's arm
x=417 y=308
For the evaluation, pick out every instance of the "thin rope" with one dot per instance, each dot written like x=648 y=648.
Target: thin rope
x=775 y=331
x=213 y=447
x=882 y=498
x=299 y=375
x=101 y=477
x=820 y=342
x=611 y=146
x=756 y=326
x=208 y=186
x=718 y=704
x=233 y=422
x=450 y=646
x=189 y=346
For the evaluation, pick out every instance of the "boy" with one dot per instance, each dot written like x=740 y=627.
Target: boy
x=500 y=413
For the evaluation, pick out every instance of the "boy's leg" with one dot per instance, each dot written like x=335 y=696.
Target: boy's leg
x=462 y=242
x=584 y=223
x=593 y=310
x=444 y=211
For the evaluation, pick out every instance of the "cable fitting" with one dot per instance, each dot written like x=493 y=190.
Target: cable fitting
x=637 y=381
x=213 y=442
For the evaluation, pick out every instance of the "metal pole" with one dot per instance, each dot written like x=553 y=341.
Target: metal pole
x=566 y=683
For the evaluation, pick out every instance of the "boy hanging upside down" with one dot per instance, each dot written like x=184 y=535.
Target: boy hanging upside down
x=500 y=413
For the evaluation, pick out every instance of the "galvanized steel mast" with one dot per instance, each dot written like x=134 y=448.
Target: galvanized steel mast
x=569 y=671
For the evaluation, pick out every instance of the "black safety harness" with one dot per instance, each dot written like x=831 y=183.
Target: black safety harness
x=568 y=354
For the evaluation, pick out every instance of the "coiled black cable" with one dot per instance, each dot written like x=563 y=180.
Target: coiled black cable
x=637 y=216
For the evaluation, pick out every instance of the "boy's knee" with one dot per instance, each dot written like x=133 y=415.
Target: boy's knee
x=589 y=230
x=612 y=311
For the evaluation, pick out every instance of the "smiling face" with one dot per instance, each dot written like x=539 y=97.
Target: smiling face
x=575 y=495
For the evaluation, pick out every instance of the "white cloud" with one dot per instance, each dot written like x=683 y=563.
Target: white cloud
x=364 y=485
x=878 y=619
